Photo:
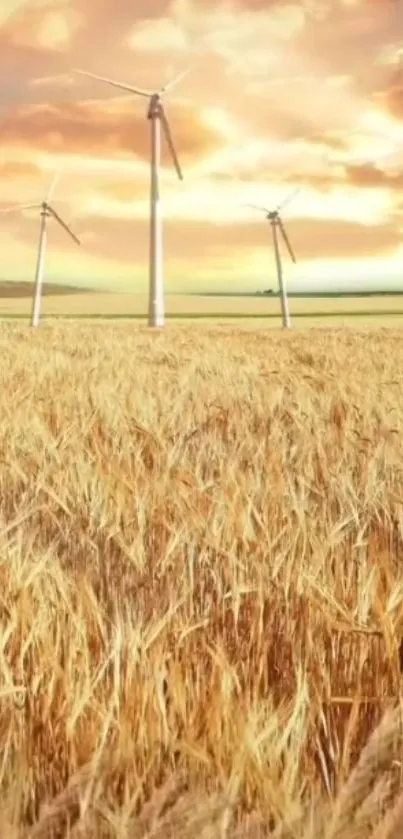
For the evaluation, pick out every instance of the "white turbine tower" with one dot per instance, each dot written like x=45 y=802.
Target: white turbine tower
x=46 y=212
x=156 y=115
x=273 y=216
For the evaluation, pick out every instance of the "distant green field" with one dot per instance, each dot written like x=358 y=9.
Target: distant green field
x=101 y=306
x=212 y=316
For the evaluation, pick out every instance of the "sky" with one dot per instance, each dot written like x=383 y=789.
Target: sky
x=280 y=96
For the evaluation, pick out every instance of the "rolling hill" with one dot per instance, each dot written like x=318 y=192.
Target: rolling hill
x=9 y=288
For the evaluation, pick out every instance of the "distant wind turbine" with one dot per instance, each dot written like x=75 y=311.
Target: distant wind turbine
x=273 y=216
x=46 y=212
x=156 y=115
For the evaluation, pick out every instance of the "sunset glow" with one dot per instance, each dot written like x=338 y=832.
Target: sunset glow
x=280 y=94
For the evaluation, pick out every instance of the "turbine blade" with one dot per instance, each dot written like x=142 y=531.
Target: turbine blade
x=53 y=185
x=18 y=207
x=173 y=82
x=119 y=85
x=64 y=225
x=289 y=198
x=286 y=240
x=256 y=207
x=168 y=137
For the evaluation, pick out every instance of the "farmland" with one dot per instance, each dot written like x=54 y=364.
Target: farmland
x=201 y=543
x=258 y=311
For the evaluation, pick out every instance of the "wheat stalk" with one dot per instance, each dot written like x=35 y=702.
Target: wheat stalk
x=376 y=758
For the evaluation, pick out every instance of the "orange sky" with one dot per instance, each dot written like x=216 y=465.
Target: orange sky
x=281 y=94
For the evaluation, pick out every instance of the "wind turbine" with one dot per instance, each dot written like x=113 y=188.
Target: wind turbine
x=273 y=216
x=156 y=115
x=46 y=212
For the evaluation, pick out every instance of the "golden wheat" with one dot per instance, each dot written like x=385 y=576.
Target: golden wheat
x=200 y=582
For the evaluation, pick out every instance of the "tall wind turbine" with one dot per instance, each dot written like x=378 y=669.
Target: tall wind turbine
x=46 y=212
x=273 y=216
x=156 y=115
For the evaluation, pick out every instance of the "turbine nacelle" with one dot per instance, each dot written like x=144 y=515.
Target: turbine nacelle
x=155 y=107
x=45 y=209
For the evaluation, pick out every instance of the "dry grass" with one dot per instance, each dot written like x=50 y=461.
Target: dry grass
x=201 y=596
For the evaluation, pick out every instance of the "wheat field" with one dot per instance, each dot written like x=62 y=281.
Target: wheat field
x=201 y=597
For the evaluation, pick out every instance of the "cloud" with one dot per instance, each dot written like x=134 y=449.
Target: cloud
x=26 y=50
x=104 y=128
x=110 y=26
x=158 y=35
x=322 y=172
x=392 y=100
x=276 y=91
x=185 y=241
x=295 y=83
x=359 y=175
x=324 y=77
x=196 y=251
x=12 y=170
x=44 y=41
x=57 y=81
x=372 y=177
x=46 y=28
x=328 y=139
x=331 y=239
x=126 y=191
